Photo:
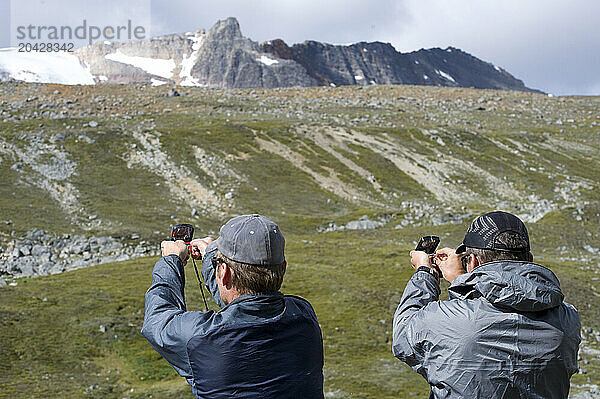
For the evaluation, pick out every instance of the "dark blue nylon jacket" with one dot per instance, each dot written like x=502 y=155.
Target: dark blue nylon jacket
x=258 y=346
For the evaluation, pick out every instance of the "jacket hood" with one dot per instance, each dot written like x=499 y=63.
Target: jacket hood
x=523 y=286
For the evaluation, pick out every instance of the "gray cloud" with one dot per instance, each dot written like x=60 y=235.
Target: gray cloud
x=4 y=23
x=336 y=21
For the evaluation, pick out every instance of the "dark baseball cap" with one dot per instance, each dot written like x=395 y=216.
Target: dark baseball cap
x=252 y=239
x=486 y=228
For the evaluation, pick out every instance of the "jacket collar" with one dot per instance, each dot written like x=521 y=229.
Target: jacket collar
x=267 y=304
x=523 y=286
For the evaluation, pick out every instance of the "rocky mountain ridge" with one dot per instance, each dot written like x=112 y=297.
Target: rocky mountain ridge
x=223 y=58
x=379 y=63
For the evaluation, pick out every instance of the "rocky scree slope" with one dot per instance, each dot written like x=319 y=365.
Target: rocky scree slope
x=39 y=253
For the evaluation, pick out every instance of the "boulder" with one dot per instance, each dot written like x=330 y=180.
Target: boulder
x=35 y=234
x=364 y=223
x=39 y=250
x=57 y=268
x=26 y=270
x=46 y=268
x=24 y=250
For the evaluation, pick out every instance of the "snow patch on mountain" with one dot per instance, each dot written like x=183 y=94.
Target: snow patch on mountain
x=445 y=75
x=157 y=82
x=154 y=66
x=266 y=60
x=188 y=62
x=54 y=67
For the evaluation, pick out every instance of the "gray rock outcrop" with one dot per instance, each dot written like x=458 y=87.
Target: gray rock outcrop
x=227 y=59
x=363 y=223
x=221 y=57
x=39 y=253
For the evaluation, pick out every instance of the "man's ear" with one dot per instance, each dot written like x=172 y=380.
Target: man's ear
x=473 y=263
x=226 y=275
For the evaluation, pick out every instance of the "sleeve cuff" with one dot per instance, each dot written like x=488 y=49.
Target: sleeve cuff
x=428 y=270
x=175 y=261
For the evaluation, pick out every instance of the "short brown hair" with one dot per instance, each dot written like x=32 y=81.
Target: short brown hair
x=252 y=279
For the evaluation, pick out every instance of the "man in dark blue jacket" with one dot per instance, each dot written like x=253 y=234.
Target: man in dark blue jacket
x=261 y=344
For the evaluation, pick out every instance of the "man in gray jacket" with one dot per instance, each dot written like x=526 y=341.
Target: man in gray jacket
x=505 y=332
x=261 y=344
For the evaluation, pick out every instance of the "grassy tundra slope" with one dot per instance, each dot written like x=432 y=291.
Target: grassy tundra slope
x=123 y=160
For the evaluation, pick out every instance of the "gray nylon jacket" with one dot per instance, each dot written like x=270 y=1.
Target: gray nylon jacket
x=505 y=332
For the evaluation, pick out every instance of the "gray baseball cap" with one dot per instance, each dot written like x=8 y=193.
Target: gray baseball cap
x=252 y=239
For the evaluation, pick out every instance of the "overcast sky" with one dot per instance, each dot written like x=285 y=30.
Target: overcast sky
x=552 y=45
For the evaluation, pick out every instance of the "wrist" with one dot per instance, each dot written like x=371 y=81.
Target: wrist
x=429 y=270
x=175 y=257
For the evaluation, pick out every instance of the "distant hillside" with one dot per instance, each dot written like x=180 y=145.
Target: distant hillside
x=130 y=160
x=224 y=58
